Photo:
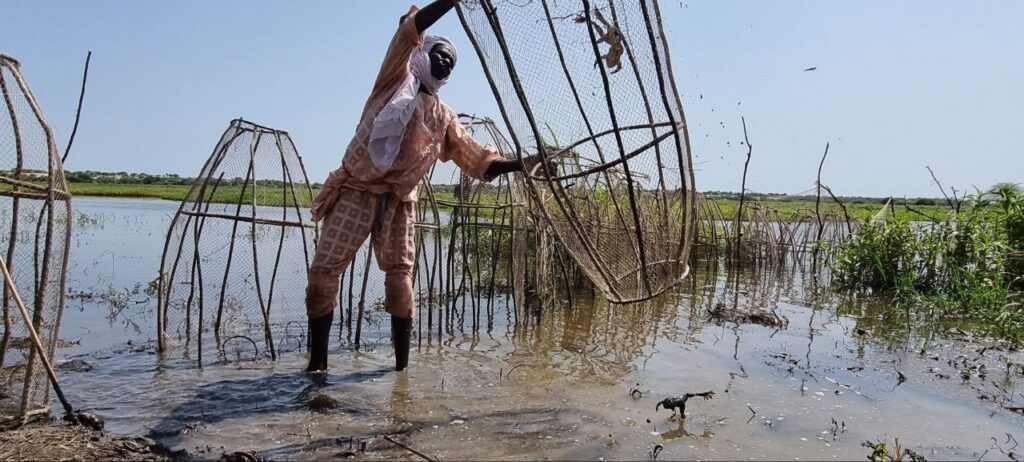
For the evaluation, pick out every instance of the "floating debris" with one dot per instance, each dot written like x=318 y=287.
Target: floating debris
x=720 y=312
x=241 y=456
x=679 y=403
x=75 y=365
x=86 y=419
x=656 y=450
x=322 y=403
x=900 y=379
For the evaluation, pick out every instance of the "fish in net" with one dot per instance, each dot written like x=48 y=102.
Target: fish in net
x=589 y=86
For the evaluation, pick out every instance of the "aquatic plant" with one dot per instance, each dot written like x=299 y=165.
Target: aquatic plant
x=971 y=263
x=880 y=452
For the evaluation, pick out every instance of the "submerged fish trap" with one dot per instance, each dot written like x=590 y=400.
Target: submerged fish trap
x=589 y=86
x=35 y=230
x=237 y=252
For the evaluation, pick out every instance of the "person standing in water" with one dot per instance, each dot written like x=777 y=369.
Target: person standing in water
x=403 y=129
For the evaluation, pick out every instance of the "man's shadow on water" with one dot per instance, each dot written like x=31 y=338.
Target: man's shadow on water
x=243 y=398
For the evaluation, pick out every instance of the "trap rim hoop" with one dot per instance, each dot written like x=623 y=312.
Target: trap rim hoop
x=10 y=60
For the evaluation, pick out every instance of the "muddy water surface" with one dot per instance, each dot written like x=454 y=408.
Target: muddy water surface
x=553 y=386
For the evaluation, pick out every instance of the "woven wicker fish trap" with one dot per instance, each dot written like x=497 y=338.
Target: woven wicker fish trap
x=237 y=250
x=35 y=229
x=483 y=257
x=589 y=85
x=530 y=261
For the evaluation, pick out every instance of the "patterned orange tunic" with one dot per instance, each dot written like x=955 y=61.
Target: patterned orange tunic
x=350 y=202
x=433 y=132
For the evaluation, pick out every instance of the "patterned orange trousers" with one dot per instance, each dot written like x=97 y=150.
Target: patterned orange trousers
x=354 y=216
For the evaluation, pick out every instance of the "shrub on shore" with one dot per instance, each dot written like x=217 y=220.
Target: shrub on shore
x=971 y=264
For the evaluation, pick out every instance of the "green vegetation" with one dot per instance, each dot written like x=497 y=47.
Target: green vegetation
x=228 y=193
x=174 y=187
x=776 y=197
x=124 y=178
x=858 y=211
x=265 y=194
x=171 y=187
x=89 y=176
x=880 y=452
x=169 y=192
x=970 y=266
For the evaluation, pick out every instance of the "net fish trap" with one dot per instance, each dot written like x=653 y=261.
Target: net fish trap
x=482 y=258
x=589 y=85
x=35 y=230
x=237 y=251
x=526 y=258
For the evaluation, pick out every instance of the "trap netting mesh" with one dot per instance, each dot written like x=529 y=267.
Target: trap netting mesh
x=481 y=256
x=590 y=86
x=519 y=255
x=35 y=208
x=233 y=271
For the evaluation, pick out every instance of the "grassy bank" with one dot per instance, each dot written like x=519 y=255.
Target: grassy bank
x=223 y=194
x=858 y=212
x=169 y=192
x=272 y=196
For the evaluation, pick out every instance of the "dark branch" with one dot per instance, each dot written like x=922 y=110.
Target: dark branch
x=78 y=112
x=427 y=16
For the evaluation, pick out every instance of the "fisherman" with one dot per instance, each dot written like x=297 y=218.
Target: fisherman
x=403 y=129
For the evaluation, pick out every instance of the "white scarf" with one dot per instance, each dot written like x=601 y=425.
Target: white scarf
x=389 y=125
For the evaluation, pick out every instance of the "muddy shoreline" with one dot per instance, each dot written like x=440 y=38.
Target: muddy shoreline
x=44 y=440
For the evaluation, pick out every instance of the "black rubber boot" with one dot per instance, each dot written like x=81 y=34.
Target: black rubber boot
x=401 y=335
x=319 y=338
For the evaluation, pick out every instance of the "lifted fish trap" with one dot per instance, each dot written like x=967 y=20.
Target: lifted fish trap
x=35 y=229
x=589 y=85
x=237 y=252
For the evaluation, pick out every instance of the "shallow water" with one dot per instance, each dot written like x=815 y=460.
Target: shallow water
x=555 y=386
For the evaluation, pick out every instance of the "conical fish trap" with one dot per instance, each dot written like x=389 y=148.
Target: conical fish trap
x=237 y=252
x=590 y=85
x=35 y=228
x=486 y=225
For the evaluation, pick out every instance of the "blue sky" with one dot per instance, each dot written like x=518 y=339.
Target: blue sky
x=898 y=85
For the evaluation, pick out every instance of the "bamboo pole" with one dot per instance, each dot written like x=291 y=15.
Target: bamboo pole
x=38 y=345
x=264 y=309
